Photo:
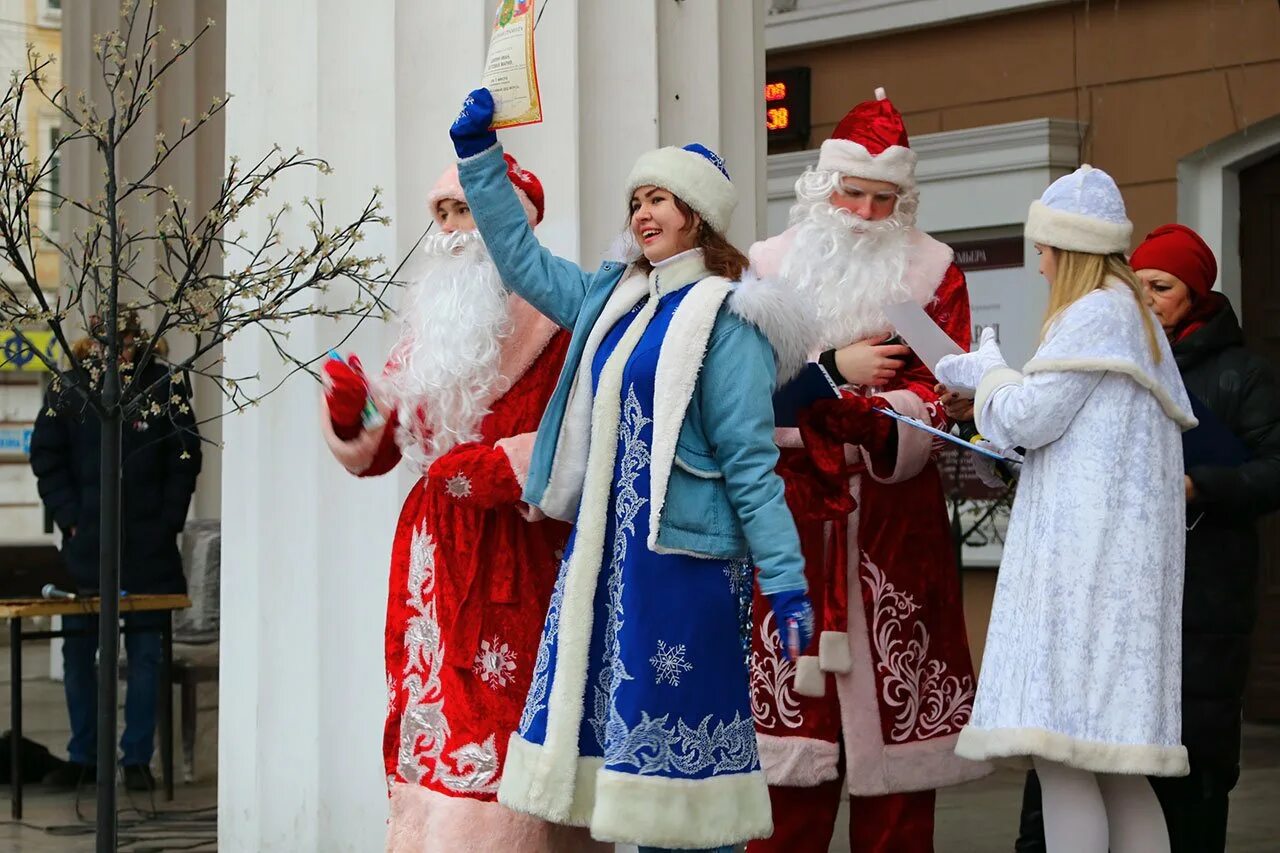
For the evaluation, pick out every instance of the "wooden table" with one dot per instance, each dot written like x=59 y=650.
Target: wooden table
x=17 y=609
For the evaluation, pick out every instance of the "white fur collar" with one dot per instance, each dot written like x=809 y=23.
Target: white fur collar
x=773 y=308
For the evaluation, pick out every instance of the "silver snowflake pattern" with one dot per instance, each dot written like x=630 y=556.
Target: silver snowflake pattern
x=495 y=663
x=458 y=486
x=669 y=664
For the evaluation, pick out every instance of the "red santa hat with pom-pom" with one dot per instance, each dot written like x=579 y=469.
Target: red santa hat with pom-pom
x=871 y=142
x=528 y=190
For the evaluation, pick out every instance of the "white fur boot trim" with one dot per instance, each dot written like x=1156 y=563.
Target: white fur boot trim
x=681 y=813
x=833 y=652
x=810 y=679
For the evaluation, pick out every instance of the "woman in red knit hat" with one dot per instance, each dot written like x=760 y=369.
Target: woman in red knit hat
x=1236 y=392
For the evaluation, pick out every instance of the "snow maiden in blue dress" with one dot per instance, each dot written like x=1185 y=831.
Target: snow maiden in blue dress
x=658 y=445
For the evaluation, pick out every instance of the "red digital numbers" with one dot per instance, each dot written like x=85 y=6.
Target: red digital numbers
x=777 y=118
x=775 y=92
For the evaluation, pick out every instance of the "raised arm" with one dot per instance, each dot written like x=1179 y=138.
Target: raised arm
x=555 y=286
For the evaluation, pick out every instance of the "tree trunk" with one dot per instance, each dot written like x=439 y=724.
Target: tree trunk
x=109 y=619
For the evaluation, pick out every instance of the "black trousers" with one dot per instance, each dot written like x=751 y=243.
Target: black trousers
x=1195 y=809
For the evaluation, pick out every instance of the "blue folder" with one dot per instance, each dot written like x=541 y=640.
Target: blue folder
x=812 y=384
x=1212 y=443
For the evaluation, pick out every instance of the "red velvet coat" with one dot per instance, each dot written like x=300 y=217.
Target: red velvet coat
x=889 y=673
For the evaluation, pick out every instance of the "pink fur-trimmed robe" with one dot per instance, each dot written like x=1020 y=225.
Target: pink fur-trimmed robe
x=469 y=585
x=889 y=672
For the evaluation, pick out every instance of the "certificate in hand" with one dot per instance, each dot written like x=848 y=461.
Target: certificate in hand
x=511 y=71
x=925 y=337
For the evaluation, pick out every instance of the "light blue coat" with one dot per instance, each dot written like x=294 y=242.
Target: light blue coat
x=723 y=499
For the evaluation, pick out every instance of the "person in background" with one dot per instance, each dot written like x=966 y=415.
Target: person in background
x=161 y=460
x=1081 y=672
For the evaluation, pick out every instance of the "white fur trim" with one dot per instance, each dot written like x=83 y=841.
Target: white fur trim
x=810 y=680
x=833 y=651
x=1182 y=418
x=357 y=454
x=692 y=178
x=1076 y=232
x=895 y=164
x=1094 y=756
x=915 y=446
x=681 y=813
x=679 y=365
x=521 y=774
x=780 y=315
x=795 y=761
x=551 y=791
x=563 y=493
x=450 y=186
x=992 y=381
x=426 y=821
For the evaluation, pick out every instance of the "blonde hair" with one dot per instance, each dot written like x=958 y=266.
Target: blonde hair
x=1080 y=273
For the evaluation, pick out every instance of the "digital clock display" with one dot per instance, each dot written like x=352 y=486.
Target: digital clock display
x=786 y=105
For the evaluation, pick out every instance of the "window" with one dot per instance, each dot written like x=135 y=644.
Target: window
x=50 y=13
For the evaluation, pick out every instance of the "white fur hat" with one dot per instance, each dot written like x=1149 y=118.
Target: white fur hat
x=696 y=175
x=1081 y=212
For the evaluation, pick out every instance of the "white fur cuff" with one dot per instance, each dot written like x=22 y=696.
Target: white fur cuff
x=833 y=652
x=810 y=679
x=1075 y=232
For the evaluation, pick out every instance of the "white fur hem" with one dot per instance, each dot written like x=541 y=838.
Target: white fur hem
x=1075 y=232
x=833 y=652
x=1097 y=757
x=520 y=788
x=681 y=813
x=798 y=762
x=810 y=680
x=1182 y=418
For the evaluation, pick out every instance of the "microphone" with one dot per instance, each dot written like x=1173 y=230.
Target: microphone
x=49 y=591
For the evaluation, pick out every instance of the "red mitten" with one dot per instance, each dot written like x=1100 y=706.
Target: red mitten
x=811 y=494
x=345 y=390
x=475 y=475
x=828 y=425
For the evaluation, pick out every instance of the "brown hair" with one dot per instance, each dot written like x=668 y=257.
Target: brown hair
x=721 y=257
x=1080 y=273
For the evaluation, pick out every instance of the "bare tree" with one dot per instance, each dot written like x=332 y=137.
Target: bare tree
x=192 y=271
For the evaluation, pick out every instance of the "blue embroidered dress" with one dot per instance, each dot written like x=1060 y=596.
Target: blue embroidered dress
x=667 y=690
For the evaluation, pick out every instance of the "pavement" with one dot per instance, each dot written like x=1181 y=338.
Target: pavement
x=978 y=817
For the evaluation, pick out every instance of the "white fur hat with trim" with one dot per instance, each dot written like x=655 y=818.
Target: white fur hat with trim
x=1081 y=212
x=871 y=142
x=696 y=175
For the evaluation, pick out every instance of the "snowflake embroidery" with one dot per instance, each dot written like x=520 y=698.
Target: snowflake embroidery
x=458 y=486
x=495 y=663
x=669 y=663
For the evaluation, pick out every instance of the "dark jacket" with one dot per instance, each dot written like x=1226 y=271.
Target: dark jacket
x=1220 y=597
x=157 y=484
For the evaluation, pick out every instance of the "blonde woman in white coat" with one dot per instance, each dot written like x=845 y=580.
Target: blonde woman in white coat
x=1083 y=658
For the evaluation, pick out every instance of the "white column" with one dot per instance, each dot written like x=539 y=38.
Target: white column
x=374 y=87
x=305 y=546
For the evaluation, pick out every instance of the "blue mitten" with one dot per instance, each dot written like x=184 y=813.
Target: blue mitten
x=470 y=132
x=792 y=605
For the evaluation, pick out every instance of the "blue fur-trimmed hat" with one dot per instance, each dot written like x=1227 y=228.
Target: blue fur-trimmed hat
x=696 y=175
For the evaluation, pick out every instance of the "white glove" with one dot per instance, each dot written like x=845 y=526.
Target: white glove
x=963 y=373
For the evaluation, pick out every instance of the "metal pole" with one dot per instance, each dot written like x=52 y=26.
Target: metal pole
x=109 y=618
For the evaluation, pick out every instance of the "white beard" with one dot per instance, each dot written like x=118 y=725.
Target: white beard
x=847 y=269
x=453 y=321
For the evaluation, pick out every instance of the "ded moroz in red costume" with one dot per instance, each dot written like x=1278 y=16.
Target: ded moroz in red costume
x=471 y=577
x=885 y=688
